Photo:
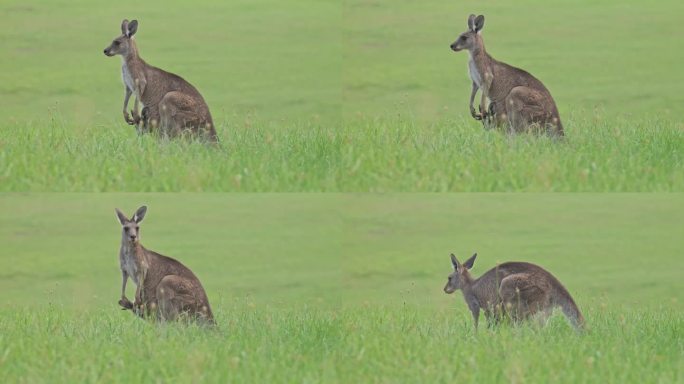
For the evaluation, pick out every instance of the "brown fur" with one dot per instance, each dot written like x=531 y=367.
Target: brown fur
x=170 y=104
x=515 y=289
x=517 y=99
x=165 y=288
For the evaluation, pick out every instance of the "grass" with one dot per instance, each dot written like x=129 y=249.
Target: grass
x=354 y=96
x=345 y=345
x=341 y=287
x=378 y=155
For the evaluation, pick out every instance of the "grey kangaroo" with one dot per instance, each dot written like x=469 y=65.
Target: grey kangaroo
x=518 y=101
x=516 y=289
x=169 y=102
x=165 y=287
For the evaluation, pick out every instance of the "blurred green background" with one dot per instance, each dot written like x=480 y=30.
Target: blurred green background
x=343 y=250
x=336 y=60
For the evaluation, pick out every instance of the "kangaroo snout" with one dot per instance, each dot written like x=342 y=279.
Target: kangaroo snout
x=106 y=52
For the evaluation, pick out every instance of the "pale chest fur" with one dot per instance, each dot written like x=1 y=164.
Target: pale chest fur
x=129 y=81
x=129 y=265
x=474 y=73
x=127 y=78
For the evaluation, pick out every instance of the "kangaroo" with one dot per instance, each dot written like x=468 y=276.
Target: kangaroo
x=169 y=102
x=165 y=287
x=516 y=289
x=517 y=99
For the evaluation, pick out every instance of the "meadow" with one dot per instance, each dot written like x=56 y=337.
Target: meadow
x=341 y=288
x=355 y=96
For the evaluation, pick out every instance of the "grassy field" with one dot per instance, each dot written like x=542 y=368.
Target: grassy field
x=342 y=288
x=304 y=344
x=342 y=96
x=379 y=155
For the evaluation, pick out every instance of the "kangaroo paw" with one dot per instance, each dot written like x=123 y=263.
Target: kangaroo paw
x=128 y=119
x=125 y=304
x=474 y=114
x=136 y=117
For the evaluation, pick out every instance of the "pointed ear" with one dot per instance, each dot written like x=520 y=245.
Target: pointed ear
x=122 y=218
x=471 y=22
x=140 y=214
x=479 y=23
x=454 y=262
x=469 y=263
x=132 y=28
x=124 y=26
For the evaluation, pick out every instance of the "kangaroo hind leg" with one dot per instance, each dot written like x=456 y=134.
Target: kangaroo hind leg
x=175 y=296
x=522 y=296
x=181 y=113
x=526 y=110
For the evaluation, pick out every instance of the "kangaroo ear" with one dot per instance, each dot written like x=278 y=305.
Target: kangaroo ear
x=124 y=26
x=122 y=218
x=479 y=23
x=471 y=22
x=469 y=263
x=454 y=262
x=132 y=28
x=140 y=214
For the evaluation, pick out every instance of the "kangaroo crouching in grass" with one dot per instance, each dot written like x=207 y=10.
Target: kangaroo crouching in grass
x=516 y=289
x=518 y=101
x=170 y=103
x=165 y=288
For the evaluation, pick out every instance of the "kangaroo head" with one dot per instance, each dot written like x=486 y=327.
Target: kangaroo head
x=471 y=38
x=460 y=277
x=130 y=229
x=123 y=44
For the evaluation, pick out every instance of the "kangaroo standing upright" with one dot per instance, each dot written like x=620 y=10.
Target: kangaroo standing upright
x=165 y=287
x=516 y=289
x=169 y=102
x=517 y=99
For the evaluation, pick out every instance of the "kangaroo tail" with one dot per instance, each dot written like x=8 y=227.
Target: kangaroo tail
x=569 y=308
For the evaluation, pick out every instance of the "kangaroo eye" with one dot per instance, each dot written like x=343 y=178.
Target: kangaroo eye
x=116 y=43
x=463 y=38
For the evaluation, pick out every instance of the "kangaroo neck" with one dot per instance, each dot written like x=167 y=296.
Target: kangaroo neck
x=468 y=289
x=132 y=59
x=479 y=56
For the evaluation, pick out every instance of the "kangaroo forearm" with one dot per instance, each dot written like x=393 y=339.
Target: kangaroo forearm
x=123 y=284
x=138 y=294
x=473 y=92
x=140 y=84
x=136 y=106
x=127 y=97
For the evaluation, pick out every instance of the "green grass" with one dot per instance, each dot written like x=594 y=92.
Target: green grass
x=343 y=96
x=342 y=288
x=348 y=345
x=376 y=155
